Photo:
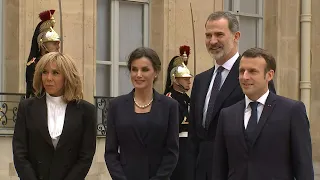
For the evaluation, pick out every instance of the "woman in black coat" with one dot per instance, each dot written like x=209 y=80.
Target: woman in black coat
x=142 y=128
x=55 y=132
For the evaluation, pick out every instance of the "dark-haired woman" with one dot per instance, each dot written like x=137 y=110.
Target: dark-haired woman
x=143 y=131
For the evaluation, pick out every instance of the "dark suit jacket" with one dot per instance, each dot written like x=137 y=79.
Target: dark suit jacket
x=200 y=139
x=131 y=157
x=281 y=145
x=34 y=155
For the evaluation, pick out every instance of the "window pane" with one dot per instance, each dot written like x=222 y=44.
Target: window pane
x=228 y=5
x=103 y=30
x=125 y=85
x=103 y=80
x=131 y=28
x=248 y=6
x=248 y=29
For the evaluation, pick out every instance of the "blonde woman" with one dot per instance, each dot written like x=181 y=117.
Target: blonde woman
x=55 y=132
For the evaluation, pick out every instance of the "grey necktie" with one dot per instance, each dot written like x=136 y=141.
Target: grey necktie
x=214 y=92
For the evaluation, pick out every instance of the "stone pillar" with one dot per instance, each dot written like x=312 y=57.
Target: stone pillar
x=171 y=27
x=21 y=18
x=282 y=39
x=11 y=21
x=315 y=80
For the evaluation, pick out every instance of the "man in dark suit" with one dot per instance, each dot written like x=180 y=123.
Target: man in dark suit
x=213 y=90
x=264 y=136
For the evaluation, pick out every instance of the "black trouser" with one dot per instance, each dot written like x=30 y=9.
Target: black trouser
x=180 y=171
x=29 y=91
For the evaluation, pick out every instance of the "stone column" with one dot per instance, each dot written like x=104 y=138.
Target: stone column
x=12 y=81
x=171 y=27
x=315 y=81
x=21 y=18
x=282 y=39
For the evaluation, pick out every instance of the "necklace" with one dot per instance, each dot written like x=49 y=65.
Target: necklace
x=142 y=106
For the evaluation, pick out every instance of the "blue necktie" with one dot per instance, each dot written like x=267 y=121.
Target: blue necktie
x=253 y=122
x=214 y=92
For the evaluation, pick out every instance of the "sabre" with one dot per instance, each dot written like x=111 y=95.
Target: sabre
x=194 y=41
x=61 y=29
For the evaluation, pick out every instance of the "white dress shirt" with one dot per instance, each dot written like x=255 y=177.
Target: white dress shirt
x=227 y=67
x=56 y=109
x=247 y=112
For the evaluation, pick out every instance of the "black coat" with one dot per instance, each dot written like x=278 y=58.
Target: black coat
x=201 y=140
x=184 y=104
x=136 y=152
x=281 y=143
x=30 y=69
x=34 y=155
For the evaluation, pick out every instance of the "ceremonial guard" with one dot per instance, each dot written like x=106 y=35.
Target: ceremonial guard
x=184 y=53
x=44 y=40
x=178 y=83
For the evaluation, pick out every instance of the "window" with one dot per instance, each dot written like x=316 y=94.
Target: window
x=122 y=26
x=250 y=16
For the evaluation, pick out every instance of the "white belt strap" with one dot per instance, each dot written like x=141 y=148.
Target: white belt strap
x=183 y=134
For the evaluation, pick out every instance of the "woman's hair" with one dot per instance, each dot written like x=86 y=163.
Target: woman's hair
x=72 y=89
x=168 y=82
x=148 y=53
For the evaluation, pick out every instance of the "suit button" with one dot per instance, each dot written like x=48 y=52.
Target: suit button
x=39 y=162
x=41 y=177
x=69 y=151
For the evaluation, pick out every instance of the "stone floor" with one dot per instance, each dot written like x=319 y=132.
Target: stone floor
x=98 y=170
x=316 y=167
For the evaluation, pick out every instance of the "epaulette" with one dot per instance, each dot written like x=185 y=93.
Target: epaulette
x=31 y=61
x=169 y=94
x=185 y=121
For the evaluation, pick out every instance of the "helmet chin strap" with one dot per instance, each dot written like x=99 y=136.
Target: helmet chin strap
x=179 y=85
x=45 y=48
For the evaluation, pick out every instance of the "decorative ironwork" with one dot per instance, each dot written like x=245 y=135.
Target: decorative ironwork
x=102 y=104
x=8 y=108
x=9 y=103
x=3 y=114
x=15 y=112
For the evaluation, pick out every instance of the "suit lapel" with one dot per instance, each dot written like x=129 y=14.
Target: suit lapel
x=267 y=110
x=240 y=125
x=72 y=117
x=39 y=112
x=228 y=86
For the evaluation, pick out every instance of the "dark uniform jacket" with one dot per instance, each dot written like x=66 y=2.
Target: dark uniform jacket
x=184 y=103
x=31 y=66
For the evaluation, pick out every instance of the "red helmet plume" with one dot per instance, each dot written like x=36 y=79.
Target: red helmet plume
x=46 y=15
x=184 y=49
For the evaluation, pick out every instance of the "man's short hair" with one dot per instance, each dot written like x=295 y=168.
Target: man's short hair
x=267 y=56
x=233 y=22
